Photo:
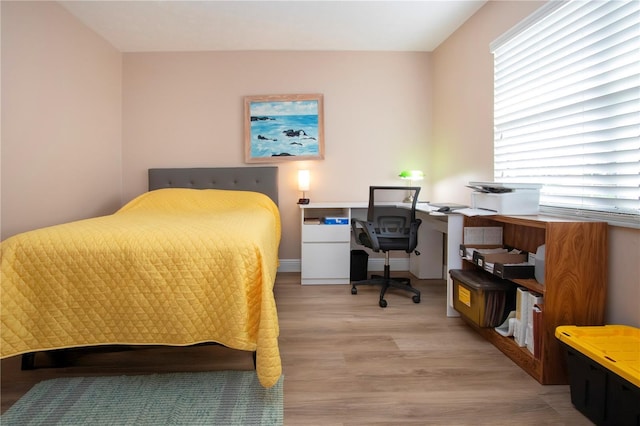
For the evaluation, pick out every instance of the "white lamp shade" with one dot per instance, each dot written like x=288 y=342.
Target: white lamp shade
x=303 y=180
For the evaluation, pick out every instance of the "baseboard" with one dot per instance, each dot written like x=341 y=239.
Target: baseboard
x=375 y=265
x=289 y=265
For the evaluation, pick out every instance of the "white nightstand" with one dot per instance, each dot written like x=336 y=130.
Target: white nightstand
x=325 y=251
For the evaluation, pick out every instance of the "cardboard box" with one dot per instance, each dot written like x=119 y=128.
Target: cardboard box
x=466 y=250
x=604 y=371
x=505 y=265
x=510 y=271
x=520 y=201
x=480 y=297
x=481 y=259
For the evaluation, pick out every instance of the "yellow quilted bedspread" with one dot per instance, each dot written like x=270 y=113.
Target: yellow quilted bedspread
x=172 y=267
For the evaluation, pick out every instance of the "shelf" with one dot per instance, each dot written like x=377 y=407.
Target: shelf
x=575 y=284
x=324 y=224
x=520 y=355
x=531 y=221
x=319 y=212
x=529 y=283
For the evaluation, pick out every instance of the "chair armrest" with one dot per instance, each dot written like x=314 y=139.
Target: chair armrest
x=368 y=228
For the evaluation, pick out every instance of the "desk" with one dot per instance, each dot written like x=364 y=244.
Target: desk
x=326 y=249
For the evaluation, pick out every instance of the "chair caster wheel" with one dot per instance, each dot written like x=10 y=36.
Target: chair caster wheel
x=354 y=290
x=383 y=303
x=416 y=299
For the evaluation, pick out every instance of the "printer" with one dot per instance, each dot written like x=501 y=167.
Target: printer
x=505 y=197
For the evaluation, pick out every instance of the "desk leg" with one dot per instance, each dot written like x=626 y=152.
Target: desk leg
x=454 y=261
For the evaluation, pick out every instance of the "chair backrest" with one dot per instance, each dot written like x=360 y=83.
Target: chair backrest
x=393 y=220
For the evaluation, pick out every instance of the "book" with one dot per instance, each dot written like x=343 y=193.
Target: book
x=533 y=299
x=537 y=330
x=520 y=331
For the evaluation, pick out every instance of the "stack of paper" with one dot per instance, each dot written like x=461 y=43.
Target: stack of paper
x=468 y=251
x=482 y=235
x=507 y=328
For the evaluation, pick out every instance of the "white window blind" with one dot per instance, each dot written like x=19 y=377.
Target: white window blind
x=567 y=108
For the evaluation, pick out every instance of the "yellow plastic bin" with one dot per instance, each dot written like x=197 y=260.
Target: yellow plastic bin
x=484 y=299
x=604 y=371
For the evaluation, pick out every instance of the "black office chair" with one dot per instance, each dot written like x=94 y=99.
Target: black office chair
x=390 y=225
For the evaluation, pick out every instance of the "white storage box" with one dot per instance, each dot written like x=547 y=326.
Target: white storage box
x=520 y=201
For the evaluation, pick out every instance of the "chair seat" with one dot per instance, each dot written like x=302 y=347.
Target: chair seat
x=396 y=244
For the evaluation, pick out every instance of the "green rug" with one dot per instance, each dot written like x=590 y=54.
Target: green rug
x=210 y=398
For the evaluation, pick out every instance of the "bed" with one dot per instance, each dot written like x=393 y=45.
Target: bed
x=191 y=261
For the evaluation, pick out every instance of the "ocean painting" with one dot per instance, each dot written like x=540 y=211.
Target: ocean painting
x=281 y=129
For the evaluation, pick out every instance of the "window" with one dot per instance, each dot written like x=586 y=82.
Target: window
x=567 y=108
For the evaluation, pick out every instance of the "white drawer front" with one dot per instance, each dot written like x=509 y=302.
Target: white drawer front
x=326 y=260
x=329 y=233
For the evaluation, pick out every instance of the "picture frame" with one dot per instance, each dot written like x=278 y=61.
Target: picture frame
x=283 y=128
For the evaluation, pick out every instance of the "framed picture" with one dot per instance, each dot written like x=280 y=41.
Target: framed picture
x=283 y=128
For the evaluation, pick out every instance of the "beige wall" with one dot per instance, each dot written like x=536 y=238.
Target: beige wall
x=61 y=126
x=186 y=109
x=463 y=99
x=61 y=119
x=463 y=138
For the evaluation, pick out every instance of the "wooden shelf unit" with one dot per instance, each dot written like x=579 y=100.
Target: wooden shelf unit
x=575 y=285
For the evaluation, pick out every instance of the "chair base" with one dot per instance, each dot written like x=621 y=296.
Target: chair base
x=387 y=282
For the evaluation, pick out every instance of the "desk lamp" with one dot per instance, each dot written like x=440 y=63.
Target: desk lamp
x=411 y=176
x=303 y=185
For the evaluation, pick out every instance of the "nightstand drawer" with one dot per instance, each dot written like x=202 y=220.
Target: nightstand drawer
x=325 y=263
x=326 y=233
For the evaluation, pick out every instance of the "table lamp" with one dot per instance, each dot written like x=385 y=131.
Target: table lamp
x=411 y=176
x=303 y=185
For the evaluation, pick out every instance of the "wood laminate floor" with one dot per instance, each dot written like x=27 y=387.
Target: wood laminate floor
x=347 y=361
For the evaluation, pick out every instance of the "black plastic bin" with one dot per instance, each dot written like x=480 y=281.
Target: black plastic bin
x=359 y=263
x=603 y=372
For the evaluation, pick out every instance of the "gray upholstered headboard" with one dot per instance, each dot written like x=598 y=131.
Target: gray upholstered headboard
x=258 y=179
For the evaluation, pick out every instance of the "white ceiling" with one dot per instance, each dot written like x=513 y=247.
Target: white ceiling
x=181 y=25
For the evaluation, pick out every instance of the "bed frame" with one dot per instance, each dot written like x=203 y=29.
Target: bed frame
x=258 y=179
